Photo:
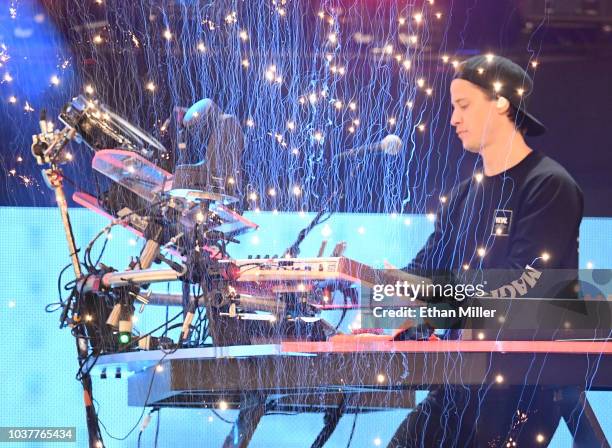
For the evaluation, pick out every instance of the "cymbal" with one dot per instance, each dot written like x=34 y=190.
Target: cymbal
x=147 y=180
x=132 y=171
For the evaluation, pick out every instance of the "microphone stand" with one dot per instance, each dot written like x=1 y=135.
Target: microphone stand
x=294 y=250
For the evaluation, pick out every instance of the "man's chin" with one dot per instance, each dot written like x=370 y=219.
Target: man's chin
x=471 y=148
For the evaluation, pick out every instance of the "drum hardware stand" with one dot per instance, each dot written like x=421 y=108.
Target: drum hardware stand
x=47 y=148
x=205 y=270
x=83 y=123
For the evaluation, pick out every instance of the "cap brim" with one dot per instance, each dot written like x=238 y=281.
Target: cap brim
x=532 y=124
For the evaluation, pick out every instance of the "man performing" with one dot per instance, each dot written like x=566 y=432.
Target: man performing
x=521 y=208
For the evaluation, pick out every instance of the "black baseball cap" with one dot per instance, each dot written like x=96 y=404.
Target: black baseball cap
x=502 y=77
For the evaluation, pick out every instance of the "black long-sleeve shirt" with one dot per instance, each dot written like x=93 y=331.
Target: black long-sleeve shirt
x=528 y=215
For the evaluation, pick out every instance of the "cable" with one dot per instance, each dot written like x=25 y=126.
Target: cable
x=69 y=286
x=87 y=254
x=74 y=184
x=153 y=331
x=145 y=423
x=343 y=315
x=283 y=413
x=81 y=370
x=157 y=426
x=221 y=418
x=101 y=252
x=352 y=430
x=143 y=408
x=59 y=291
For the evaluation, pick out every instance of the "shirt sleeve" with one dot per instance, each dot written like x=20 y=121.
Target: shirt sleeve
x=434 y=255
x=425 y=259
x=548 y=223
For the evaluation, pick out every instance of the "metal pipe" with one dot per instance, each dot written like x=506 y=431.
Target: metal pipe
x=148 y=255
x=55 y=180
x=125 y=278
x=166 y=299
x=246 y=302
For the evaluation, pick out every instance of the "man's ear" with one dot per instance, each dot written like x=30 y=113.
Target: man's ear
x=502 y=105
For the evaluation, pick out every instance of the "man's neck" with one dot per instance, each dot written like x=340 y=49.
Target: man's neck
x=505 y=153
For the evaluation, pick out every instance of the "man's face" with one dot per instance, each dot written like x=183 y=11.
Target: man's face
x=474 y=115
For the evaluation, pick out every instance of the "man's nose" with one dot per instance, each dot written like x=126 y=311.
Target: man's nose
x=455 y=119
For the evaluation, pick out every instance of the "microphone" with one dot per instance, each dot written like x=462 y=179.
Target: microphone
x=390 y=145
